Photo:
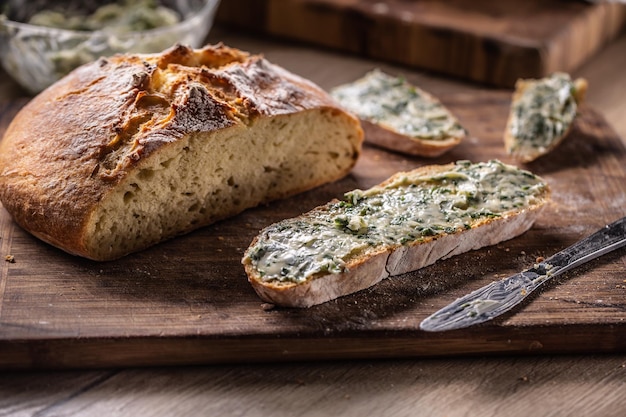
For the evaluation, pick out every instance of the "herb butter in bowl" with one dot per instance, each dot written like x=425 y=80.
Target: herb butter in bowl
x=40 y=42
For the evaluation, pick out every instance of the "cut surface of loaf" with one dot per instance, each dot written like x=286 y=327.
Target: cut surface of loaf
x=131 y=150
x=407 y=222
x=399 y=116
x=542 y=114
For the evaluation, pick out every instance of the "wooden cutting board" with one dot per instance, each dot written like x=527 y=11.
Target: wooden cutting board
x=492 y=42
x=187 y=301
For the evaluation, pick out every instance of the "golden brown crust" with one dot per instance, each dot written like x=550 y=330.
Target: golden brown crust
x=76 y=141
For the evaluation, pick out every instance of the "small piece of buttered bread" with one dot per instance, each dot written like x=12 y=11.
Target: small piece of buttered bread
x=542 y=114
x=399 y=116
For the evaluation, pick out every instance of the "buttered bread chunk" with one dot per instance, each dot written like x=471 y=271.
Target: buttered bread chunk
x=407 y=222
x=542 y=114
x=399 y=116
x=131 y=150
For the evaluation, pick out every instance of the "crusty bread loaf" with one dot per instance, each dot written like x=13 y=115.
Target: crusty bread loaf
x=542 y=114
x=134 y=149
x=409 y=221
x=399 y=116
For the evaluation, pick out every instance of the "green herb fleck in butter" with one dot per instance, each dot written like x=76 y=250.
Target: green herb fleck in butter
x=394 y=103
x=408 y=210
x=543 y=113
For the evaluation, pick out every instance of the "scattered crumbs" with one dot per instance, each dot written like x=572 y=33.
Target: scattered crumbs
x=267 y=306
x=523 y=378
x=540 y=259
x=220 y=238
x=219 y=249
x=10 y=259
x=507 y=249
x=523 y=253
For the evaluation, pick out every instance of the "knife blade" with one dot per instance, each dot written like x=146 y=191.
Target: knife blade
x=498 y=297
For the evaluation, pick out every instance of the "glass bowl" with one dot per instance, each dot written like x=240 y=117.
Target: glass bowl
x=37 y=56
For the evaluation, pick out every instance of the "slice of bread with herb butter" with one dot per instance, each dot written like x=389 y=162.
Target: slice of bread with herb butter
x=411 y=220
x=399 y=116
x=542 y=114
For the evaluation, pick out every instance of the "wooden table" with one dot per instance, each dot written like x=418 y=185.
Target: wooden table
x=590 y=385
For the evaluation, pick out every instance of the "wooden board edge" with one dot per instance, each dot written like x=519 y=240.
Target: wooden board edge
x=497 y=62
x=178 y=351
x=587 y=35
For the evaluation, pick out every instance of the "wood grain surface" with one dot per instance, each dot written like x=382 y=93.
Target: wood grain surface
x=187 y=301
x=485 y=41
x=561 y=386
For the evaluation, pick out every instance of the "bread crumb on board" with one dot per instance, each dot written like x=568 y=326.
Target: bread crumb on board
x=10 y=258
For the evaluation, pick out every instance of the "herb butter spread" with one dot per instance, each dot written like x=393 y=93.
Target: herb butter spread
x=410 y=209
x=541 y=114
x=119 y=17
x=393 y=103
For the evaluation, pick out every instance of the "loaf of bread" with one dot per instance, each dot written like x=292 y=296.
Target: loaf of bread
x=131 y=150
x=542 y=114
x=399 y=116
x=407 y=222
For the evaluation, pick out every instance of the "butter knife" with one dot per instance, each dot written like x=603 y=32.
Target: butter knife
x=501 y=296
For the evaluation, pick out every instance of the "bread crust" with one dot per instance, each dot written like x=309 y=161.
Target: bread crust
x=75 y=143
x=387 y=138
x=364 y=271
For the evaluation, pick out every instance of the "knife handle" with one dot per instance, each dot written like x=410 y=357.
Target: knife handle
x=610 y=237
